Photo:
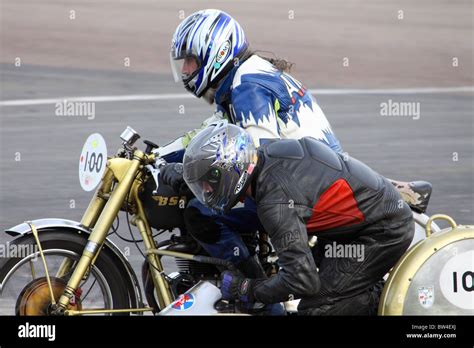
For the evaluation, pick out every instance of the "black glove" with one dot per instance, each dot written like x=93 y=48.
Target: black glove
x=234 y=286
x=172 y=174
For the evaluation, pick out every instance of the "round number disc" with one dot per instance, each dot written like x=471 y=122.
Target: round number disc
x=92 y=162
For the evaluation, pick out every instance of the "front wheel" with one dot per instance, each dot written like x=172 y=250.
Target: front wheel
x=24 y=288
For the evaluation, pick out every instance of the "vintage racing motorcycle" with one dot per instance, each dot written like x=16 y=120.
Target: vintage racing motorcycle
x=73 y=268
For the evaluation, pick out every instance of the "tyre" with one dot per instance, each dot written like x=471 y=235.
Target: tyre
x=25 y=290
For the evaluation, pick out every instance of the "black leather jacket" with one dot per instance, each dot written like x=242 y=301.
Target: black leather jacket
x=303 y=187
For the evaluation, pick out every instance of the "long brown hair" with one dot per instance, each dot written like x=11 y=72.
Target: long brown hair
x=279 y=63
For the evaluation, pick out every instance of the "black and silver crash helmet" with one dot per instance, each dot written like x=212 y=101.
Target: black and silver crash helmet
x=218 y=165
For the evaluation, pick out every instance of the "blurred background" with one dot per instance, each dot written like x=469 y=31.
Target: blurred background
x=58 y=49
x=385 y=47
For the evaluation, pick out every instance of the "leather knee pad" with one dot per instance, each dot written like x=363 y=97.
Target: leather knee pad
x=365 y=303
x=200 y=226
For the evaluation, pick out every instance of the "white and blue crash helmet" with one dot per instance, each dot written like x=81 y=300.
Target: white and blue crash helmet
x=215 y=40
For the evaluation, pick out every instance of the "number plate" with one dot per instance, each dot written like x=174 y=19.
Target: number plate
x=92 y=162
x=457 y=280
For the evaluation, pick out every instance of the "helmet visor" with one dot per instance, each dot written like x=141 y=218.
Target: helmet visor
x=184 y=67
x=176 y=66
x=209 y=188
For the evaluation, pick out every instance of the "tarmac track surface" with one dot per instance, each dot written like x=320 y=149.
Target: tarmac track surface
x=61 y=58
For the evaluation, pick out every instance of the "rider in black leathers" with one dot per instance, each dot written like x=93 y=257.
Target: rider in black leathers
x=303 y=188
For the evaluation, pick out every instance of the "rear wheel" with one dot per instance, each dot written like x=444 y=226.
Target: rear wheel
x=25 y=290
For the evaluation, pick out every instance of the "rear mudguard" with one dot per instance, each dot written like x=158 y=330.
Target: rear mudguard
x=129 y=276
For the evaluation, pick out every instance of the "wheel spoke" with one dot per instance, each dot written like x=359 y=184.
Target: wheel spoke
x=88 y=291
x=21 y=295
x=65 y=267
x=32 y=267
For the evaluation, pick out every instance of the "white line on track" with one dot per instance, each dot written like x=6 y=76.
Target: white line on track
x=316 y=92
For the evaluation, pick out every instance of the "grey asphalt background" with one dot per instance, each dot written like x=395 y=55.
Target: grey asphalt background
x=84 y=57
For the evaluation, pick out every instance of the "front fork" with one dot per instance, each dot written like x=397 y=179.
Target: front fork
x=156 y=268
x=101 y=214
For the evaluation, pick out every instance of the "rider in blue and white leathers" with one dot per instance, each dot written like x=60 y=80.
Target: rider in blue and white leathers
x=211 y=53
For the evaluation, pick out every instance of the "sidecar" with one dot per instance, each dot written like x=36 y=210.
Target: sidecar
x=435 y=277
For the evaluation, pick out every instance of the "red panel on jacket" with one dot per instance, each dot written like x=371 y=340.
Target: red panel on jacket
x=336 y=207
